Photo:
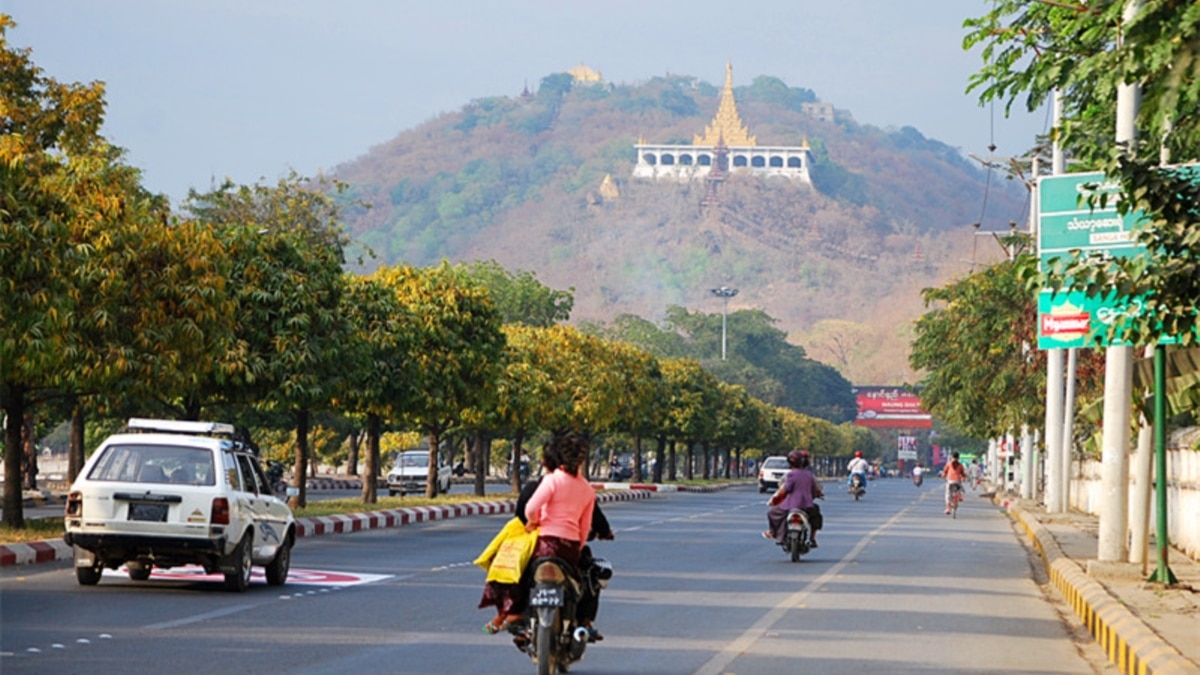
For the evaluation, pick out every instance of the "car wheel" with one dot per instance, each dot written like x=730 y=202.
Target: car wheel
x=239 y=579
x=88 y=576
x=277 y=569
x=391 y=492
x=138 y=571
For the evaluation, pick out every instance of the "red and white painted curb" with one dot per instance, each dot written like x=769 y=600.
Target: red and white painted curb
x=57 y=549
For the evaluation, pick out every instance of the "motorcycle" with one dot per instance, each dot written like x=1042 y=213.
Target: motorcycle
x=555 y=639
x=918 y=479
x=796 y=535
x=857 y=487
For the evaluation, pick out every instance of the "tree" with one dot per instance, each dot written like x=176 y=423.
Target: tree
x=1085 y=51
x=380 y=370
x=458 y=348
x=978 y=350
x=286 y=243
x=50 y=140
x=519 y=297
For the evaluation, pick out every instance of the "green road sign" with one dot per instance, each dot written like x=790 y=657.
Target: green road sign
x=1067 y=224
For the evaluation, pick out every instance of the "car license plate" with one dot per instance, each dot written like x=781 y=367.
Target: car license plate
x=154 y=513
x=546 y=596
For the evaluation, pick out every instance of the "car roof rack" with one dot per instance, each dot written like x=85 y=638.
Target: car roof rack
x=181 y=427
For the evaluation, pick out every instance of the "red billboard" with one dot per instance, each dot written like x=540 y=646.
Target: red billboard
x=890 y=407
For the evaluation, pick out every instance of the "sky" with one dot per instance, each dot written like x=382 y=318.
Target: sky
x=201 y=90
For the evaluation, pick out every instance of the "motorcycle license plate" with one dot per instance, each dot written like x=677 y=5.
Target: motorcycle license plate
x=546 y=596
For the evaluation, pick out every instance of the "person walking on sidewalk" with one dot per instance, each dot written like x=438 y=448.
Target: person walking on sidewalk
x=955 y=473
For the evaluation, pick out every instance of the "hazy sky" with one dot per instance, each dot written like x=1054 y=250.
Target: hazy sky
x=252 y=88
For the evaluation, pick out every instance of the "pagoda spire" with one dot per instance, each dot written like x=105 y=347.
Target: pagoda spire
x=727 y=124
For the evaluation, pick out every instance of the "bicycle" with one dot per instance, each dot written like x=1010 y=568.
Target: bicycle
x=956 y=496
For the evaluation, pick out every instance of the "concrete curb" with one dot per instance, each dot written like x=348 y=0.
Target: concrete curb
x=1129 y=643
x=56 y=549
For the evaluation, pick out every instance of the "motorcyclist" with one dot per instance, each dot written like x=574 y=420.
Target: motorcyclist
x=798 y=490
x=858 y=466
x=917 y=474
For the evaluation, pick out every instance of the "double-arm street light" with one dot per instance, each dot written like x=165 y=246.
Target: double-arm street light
x=725 y=293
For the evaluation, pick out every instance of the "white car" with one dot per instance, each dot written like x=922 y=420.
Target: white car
x=164 y=493
x=411 y=474
x=772 y=472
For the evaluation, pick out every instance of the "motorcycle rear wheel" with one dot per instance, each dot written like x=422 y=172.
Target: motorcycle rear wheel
x=547 y=654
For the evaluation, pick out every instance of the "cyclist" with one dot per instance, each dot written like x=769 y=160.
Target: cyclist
x=954 y=472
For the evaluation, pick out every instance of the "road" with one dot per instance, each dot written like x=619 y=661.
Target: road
x=895 y=587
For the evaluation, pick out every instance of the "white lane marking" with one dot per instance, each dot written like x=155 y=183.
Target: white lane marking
x=215 y=614
x=718 y=664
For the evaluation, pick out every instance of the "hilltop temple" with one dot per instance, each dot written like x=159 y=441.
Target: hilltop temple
x=725 y=142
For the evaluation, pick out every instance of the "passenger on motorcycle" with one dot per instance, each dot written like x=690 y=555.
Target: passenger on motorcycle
x=798 y=491
x=954 y=473
x=561 y=503
x=858 y=466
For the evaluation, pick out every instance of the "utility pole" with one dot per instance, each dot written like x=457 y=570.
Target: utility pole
x=1118 y=377
x=1055 y=497
x=725 y=293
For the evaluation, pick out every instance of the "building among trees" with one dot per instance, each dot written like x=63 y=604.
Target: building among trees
x=726 y=138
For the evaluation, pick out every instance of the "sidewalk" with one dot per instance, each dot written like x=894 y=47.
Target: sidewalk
x=1142 y=627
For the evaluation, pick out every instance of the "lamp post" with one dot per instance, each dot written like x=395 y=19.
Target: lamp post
x=725 y=293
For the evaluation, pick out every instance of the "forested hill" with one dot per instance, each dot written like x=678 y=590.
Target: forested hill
x=840 y=264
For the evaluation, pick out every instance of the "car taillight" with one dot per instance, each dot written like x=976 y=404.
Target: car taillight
x=548 y=573
x=75 y=504
x=220 y=511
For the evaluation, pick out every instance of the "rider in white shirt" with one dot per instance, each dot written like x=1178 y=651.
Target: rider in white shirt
x=859 y=466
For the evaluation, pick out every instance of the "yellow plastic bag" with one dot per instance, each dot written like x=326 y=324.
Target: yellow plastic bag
x=508 y=553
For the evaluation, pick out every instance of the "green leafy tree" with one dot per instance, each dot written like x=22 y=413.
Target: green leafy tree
x=519 y=297
x=458 y=349
x=1086 y=51
x=984 y=374
x=286 y=243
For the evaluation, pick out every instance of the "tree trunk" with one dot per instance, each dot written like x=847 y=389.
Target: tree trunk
x=706 y=458
x=29 y=454
x=689 y=467
x=355 y=440
x=370 y=476
x=660 y=448
x=431 y=486
x=483 y=453
x=637 y=460
x=12 y=398
x=514 y=471
x=300 y=470
x=671 y=465
x=725 y=456
x=75 y=449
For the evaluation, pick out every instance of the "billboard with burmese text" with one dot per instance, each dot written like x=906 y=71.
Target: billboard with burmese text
x=890 y=408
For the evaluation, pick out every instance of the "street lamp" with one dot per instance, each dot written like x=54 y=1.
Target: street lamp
x=725 y=293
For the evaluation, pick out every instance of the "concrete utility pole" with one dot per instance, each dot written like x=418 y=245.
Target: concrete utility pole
x=1118 y=379
x=1055 y=498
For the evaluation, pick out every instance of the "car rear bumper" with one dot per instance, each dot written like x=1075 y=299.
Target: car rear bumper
x=129 y=546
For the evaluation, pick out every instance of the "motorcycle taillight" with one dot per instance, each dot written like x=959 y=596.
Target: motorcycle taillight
x=795 y=520
x=549 y=573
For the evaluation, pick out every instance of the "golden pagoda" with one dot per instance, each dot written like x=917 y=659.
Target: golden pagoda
x=608 y=188
x=581 y=73
x=727 y=125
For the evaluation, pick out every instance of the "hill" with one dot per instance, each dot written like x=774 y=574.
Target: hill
x=839 y=263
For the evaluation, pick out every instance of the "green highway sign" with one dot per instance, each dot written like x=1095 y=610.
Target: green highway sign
x=1067 y=223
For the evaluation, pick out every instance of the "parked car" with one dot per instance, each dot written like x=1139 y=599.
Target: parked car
x=411 y=474
x=164 y=493
x=771 y=473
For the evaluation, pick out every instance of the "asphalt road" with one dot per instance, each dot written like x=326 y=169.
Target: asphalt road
x=895 y=587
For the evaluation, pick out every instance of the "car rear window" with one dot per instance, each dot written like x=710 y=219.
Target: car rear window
x=134 y=463
x=414 y=460
x=775 y=463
